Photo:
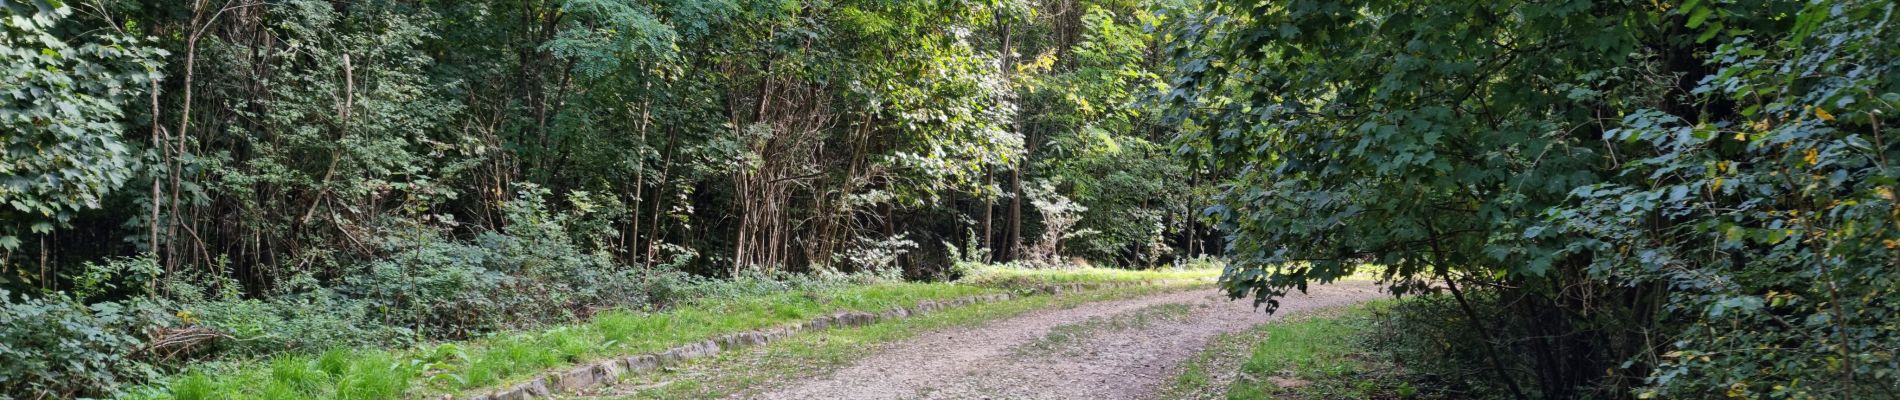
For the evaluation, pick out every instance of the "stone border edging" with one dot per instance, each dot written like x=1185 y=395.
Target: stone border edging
x=608 y=372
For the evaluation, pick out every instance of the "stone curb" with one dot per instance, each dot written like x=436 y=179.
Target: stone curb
x=604 y=373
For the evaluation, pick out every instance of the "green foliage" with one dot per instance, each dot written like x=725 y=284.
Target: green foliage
x=295 y=134
x=1685 y=198
x=1780 y=245
x=341 y=175
x=1105 y=142
x=58 y=347
x=1407 y=141
x=1134 y=202
x=428 y=286
x=60 y=113
x=604 y=34
x=116 y=276
x=345 y=135
x=1429 y=336
x=1059 y=215
x=305 y=317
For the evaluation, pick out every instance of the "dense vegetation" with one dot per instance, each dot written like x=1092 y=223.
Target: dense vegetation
x=205 y=179
x=1616 y=198
x=1623 y=198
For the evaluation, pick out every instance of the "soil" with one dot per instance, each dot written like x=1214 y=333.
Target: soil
x=985 y=361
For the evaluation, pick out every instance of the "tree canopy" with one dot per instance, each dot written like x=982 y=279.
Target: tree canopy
x=1691 y=197
x=1651 y=199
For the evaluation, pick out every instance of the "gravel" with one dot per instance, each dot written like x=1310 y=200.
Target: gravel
x=977 y=362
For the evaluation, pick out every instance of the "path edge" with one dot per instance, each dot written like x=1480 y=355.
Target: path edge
x=608 y=372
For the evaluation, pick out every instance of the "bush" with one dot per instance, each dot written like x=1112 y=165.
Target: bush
x=1430 y=338
x=427 y=285
x=439 y=288
x=752 y=283
x=304 y=317
x=543 y=267
x=57 y=347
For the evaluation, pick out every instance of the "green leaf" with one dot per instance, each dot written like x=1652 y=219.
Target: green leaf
x=1709 y=32
x=1698 y=15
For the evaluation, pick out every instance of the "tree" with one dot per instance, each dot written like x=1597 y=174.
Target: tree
x=60 y=115
x=1769 y=213
x=1492 y=147
x=1105 y=141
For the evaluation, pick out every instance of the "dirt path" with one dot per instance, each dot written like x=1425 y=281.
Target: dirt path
x=1100 y=357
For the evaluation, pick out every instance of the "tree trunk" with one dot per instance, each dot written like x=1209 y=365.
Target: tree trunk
x=666 y=168
x=1484 y=332
x=627 y=246
x=1008 y=249
x=989 y=214
x=158 y=144
x=1015 y=212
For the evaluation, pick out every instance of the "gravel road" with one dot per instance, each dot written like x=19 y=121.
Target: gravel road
x=987 y=361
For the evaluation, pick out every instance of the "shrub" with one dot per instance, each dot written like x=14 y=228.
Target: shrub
x=440 y=288
x=304 y=317
x=1429 y=337
x=556 y=273
x=57 y=347
x=428 y=285
x=870 y=254
x=544 y=267
x=1059 y=215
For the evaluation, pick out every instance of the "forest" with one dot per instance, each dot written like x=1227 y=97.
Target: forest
x=1571 y=198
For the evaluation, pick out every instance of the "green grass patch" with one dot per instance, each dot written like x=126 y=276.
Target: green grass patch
x=506 y=358
x=1066 y=338
x=1317 y=355
x=803 y=356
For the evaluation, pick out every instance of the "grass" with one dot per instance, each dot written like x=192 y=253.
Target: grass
x=1010 y=277
x=1309 y=356
x=448 y=368
x=1067 y=337
x=335 y=374
x=734 y=373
